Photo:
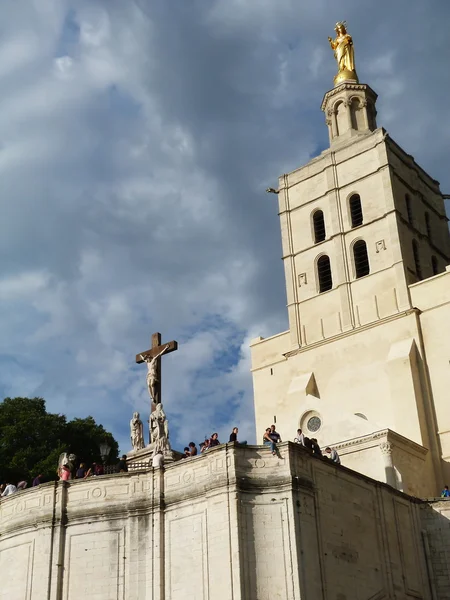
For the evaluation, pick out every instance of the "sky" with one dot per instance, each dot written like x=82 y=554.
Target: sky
x=137 y=139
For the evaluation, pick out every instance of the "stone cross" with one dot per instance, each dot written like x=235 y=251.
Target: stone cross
x=153 y=359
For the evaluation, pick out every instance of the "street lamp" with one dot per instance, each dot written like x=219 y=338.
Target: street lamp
x=105 y=449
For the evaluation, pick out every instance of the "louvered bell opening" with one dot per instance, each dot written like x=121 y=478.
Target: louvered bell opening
x=356 y=211
x=428 y=226
x=324 y=273
x=434 y=264
x=319 y=226
x=409 y=208
x=361 y=259
x=416 y=259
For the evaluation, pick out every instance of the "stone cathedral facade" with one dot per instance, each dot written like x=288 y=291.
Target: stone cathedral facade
x=235 y=523
x=364 y=365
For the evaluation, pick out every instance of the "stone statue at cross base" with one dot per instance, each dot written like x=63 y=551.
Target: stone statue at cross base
x=137 y=432
x=69 y=461
x=159 y=430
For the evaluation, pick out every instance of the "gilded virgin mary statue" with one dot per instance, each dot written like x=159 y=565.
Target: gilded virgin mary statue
x=344 y=54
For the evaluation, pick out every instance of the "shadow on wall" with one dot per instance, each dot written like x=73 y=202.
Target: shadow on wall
x=435 y=519
x=392 y=478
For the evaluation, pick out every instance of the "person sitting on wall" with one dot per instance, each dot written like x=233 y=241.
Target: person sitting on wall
x=81 y=471
x=192 y=449
x=186 y=454
x=268 y=441
x=123 y=467
x=10 y=488
x=22 y=485
x=233 y=436
x=445 y=492
x=95 y=470
x=316 y=448
x=204 y=446
x=37 y=480
x=274 y=435
x=300 y=438
x=214 y=441
x=158 y=460
x=333 y=455
x=64 y=473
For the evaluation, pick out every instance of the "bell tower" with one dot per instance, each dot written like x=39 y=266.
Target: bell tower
x=362 y=224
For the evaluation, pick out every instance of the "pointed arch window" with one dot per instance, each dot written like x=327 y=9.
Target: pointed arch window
x=319 y=226
x=361 y=259
x=356 y=213
x=408 y=208
x=415 y=247
x=434 y=265
x=428 y=225
x=324 y=274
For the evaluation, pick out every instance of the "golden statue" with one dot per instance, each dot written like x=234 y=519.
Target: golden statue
x=344 y=54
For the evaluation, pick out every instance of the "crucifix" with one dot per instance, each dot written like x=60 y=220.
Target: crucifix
x=153 y=359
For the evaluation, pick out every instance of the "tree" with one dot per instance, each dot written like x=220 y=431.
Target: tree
x=31 y=439
x=84 y=437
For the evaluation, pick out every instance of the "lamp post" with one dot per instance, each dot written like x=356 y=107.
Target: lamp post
x=105 y=449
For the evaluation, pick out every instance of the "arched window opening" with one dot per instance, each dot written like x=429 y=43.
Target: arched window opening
x=356 y=214
x=434 y=264
x=427 y=225
x=408 y=208
x=361 y=259
x=324 y=274
x=319 y=227
x=415 y=247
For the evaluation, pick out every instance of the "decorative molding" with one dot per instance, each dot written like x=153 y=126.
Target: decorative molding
x=359 y=87
x=386 y=448
x=391 y=437
x=302 y=279
x=380 y=245
x=363 y=439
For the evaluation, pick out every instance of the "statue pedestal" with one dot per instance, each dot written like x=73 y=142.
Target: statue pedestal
x=142 y=459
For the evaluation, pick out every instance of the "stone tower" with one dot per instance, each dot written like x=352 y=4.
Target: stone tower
x=363 y=230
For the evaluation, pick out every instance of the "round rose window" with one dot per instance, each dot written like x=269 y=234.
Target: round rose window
x=313 y=424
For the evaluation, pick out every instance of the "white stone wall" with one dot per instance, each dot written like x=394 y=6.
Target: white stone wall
x=234 y=524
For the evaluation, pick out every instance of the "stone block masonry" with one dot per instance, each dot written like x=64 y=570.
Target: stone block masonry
x=234 y=524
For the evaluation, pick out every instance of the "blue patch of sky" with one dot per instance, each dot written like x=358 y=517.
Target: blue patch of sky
x=122 y=102
x=70 y=35
x=229 y=356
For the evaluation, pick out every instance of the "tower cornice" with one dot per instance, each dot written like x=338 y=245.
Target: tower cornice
x=347 y=86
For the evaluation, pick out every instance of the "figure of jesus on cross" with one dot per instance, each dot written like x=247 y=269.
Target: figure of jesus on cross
x=153 y=359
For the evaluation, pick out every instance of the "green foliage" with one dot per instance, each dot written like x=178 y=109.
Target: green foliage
x=31 y=440
x=84 y=437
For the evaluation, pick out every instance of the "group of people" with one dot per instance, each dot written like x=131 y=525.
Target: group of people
x=271 y=438
x=6 y=489
x=83 y=472
x=192 y=450
x=311 y=444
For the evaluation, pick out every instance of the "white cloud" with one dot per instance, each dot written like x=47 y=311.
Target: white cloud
x=22 y=286
x=136 y=141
